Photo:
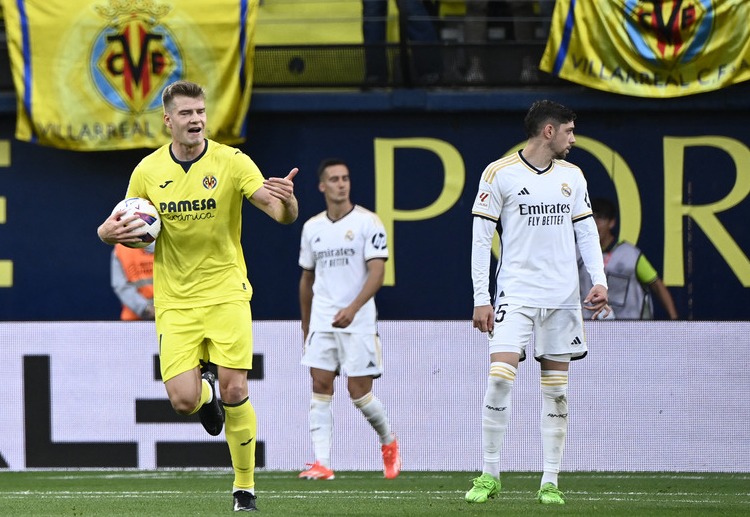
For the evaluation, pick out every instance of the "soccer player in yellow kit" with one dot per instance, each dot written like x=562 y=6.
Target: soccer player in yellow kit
x=200 y=280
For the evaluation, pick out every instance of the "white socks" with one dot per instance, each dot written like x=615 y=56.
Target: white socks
x=321 y=423
x=374 y=412
x=321 y=427
x=496 y=414
x=554 y=423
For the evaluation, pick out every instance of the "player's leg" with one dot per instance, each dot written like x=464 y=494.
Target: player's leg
x=559 y=338
x=241 y=433
x=320 y=354
x=320 y=419
x=185 y=391
x=230 y=347
x=362 y=360
x=513 y=327
x=180 y=351
x=495 y=417
x=553 y=426
x=360 y=391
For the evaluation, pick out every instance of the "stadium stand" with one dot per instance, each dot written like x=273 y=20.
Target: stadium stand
x=318 y=44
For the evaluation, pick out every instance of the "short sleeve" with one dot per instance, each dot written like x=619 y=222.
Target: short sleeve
x=136 y=187
x=581 y=201
x=376 y=241
x=488 y=203
x=248 y=175
x=306 y=259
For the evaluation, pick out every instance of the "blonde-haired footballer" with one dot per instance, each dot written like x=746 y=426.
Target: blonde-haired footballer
x=342 y=255
x=201 y=290
x=538 y=203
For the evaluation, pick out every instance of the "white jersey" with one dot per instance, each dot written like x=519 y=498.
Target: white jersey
x=338 y=251
x=533 y=212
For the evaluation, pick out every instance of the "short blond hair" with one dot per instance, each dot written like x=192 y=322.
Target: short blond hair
x=181 y=89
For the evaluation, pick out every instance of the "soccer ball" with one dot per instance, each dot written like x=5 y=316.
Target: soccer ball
x=144 y=209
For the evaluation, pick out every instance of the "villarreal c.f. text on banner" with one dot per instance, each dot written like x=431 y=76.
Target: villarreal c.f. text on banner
x=655 y=48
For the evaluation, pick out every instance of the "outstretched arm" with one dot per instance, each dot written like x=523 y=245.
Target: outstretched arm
x=276 y=198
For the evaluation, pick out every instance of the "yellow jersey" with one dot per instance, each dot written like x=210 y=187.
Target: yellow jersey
x=198 y=259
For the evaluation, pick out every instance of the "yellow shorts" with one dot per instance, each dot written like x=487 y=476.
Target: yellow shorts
x=222 y=334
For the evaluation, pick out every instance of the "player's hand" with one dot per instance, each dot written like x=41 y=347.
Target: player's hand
x=344 y=318
x=596 y=301
x=125 y=230
x=484 y=318
x=282 y=188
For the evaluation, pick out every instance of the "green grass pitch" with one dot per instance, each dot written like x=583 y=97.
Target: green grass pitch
x=181 y=493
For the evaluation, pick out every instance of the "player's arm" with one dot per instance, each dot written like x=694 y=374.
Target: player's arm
x=305 y=300
x=127 y=230
x=375 y=277
x=587 y=238
x=276 y=198
x=481 y=248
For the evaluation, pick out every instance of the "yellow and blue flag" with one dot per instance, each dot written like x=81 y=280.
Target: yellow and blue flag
x=88 y=74
x=650 y=48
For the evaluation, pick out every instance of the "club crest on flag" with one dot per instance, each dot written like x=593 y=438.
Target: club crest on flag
x=134 y=56
x=650 y=48
x=667 y=32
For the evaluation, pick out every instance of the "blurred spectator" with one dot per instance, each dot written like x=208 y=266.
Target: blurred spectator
x=475 y=35
x=415 y=24
x=631 y=278
x=546 y=8
x=524 y=30
x=525 y=22
x=132 y=277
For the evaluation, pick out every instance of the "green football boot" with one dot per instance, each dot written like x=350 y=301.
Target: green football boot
x=550 y=494
x=484 y=487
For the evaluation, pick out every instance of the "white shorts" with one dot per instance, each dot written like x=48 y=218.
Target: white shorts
x=356 y=355
x=558 y=333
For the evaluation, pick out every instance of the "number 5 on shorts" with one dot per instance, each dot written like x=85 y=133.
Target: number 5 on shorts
x=500 y=312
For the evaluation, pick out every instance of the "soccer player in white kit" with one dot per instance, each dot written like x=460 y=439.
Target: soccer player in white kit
x=538 y=203
x=342 y=255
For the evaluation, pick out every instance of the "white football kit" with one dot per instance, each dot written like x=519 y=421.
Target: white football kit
x=338 y=252
x=538 y=214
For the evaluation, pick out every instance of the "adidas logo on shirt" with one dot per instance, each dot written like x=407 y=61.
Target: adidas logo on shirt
x=524 y=192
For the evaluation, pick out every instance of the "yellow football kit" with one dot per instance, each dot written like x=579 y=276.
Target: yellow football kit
x=199 y=261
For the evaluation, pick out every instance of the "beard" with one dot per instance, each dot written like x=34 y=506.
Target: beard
x=561 y=155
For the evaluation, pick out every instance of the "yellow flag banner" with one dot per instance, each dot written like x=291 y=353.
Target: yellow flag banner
x=650 y=48
x=89 y=74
